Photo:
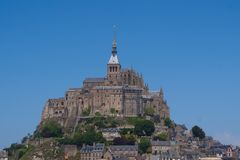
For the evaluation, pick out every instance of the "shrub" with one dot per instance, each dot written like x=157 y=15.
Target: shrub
x=143 y=146
x=130 y=140
x=149 y=111
x=51 y=129
x=144 y=128
x=169 y=123
x=125 y=131
x=198 y=132
x=134 y=120
x=86 y=111
x=88 y=137
x=161 y=137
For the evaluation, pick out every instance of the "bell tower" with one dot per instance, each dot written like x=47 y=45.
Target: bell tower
x=113 y=66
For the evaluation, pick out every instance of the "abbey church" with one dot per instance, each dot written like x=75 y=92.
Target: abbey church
x=121 y=91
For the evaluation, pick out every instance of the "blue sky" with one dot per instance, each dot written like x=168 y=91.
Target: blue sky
x=190 y=48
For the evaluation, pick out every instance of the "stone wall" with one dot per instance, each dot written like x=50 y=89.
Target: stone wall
x=126 y=93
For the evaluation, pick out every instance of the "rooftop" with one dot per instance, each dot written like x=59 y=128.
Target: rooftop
x=161 y=143
x=124 y=148
x=99 y=147
x=113 y=59
x=110 y=130
x=94 y=80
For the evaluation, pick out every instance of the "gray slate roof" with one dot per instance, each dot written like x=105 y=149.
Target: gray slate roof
x=99 y=147
x=110 y=130
x=94 y=80
x=124 y=148
x=161 y=143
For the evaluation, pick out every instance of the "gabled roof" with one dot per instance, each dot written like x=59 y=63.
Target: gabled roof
x=99 y=147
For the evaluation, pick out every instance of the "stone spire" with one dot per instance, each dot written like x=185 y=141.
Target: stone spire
x=114 y=59
x=161 y=94
x=114 y=45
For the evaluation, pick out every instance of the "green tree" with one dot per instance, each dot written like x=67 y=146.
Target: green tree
x=14 y=148
x=124 y=140
x=100 y=124
x=144 y=128
x=125 y=131
x=144 y=145
x=161 y=137
x=113 y=111
x=98 y=114
x=104 y=122
x=51 y=129
x=86 y=111
x=168 y=122
x=198 y=132
x=134 y=120
x=89 y=137
x=24 y=139
x=149 y=111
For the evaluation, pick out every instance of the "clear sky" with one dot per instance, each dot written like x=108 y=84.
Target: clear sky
x=190 y=48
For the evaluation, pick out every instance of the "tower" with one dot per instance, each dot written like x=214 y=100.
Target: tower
x=113 y=66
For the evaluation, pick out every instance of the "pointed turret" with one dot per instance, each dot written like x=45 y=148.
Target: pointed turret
x=114 y=45
x=114 y=66
x=161 y=94
x=114 y=59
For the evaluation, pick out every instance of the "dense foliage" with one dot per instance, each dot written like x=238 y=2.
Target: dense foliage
x=125 y=131
x=50 y=129
x=144 y=128
x=124 y=140
x=144 y=145
x=161 y=136
x=113 y=111
x=86 y=111
x=134 y=120
x=18 y=149
x=169 y=123
x=89 y=136
x=149 y=111
x=103 y=122
x=198 y=132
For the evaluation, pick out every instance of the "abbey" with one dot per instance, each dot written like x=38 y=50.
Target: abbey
x=121 y=92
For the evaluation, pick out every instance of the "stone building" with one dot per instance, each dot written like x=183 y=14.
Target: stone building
x=129 y=152
x=121 y=90
x=94 y=152
x=70 y=151
x=110 y=133
x=3 y=155
x=165 y=148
